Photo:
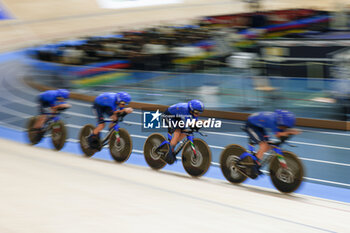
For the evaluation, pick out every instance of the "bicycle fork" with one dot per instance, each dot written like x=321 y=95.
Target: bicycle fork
x=111 y=131
x=190 y=138
x=280 y=157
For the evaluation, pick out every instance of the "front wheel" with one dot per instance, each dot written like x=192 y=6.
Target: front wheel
x=85 y=132
x=287 y=179
x=196 y=162
x=153 y=153
x=121 y=148
x=228 y=158
x=58 y=134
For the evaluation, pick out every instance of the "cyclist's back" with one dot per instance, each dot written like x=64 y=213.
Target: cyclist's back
x=49 y=97
x=179 y=110
x=266 y=120
x=107 y=99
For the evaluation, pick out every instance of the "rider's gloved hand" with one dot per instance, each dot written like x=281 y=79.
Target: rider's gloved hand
x=284 y=138
x=121 y=114
x=196 y=129
x=128 y=110
x=61 y=109
x=186 y=130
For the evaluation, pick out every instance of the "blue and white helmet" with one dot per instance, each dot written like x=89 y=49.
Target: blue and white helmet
x=63 y=93
x=285 y=118
x=123 y=97
x=196 y=105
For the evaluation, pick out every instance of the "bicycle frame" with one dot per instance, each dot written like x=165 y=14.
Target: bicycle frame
x=189 y=137
x=54 y=117
x=113 y=129
x=274 y=151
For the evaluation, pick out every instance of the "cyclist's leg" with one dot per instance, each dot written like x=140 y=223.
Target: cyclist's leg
x=176 y=138
x=99 y=110
x=94 y=139
x=263 y=147
x=177 y=133
x=258 y=136
x=109 y=112
x=42 y=115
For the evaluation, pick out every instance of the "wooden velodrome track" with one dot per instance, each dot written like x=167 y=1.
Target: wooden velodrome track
x=48 y=192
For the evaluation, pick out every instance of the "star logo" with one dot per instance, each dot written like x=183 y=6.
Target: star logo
x=156 y=115
x=151 y=120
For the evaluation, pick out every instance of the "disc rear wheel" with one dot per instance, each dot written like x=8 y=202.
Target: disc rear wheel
x=85 y=132
x=153 y=153
x=228 y=159
x=34 y=136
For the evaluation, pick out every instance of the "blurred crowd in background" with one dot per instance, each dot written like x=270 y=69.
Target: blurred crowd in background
x=160 y=48
x=286 y=43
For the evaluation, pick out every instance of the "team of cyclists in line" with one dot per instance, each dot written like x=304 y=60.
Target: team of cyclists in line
x=114 y=105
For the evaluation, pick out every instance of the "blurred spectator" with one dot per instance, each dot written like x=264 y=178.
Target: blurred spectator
x=182 y=51
x=341 y=92
x=72 y=55
x=157 y=53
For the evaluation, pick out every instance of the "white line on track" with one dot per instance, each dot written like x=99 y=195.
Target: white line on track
x=225 y=134
x=324 y=161
x=12 y=119
x=327 y=181
x=12 y=126
x=326 y=132
x=79 y=103
x=3 y=102
x=80 y=115
x=304 y=130
x=14 y=112
x=319 y=145
x=13 y=98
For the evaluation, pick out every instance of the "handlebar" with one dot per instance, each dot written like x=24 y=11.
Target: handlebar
x=120 y=119
x=281 y=140
x=61 y=109
x=194 y=130
x=112 y=121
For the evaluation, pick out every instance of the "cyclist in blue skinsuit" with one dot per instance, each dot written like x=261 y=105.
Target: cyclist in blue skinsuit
x=111 y=104
x=280 y=122
x=175 y=113
x=53 y=99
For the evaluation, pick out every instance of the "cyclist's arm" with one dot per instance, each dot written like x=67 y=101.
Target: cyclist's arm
x=126 y=110
x=61 y=105
x=288 y=132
